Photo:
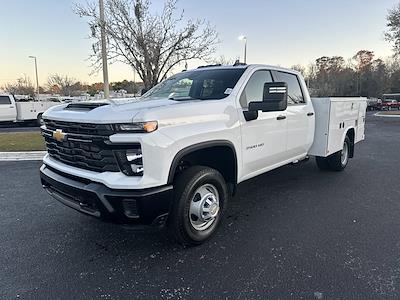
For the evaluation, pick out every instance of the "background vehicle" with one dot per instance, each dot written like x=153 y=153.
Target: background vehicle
x=373 y=104
x=175 y=156
x=389 y=105
x=24 y=110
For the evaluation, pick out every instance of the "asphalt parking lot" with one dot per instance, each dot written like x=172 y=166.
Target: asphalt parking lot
x=294 y=233
x=5 y=128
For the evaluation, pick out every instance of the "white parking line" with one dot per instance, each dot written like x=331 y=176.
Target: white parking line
x=18 y=156
x=387 y=116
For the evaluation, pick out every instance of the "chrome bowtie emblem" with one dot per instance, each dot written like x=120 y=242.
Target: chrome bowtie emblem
x=59 y=135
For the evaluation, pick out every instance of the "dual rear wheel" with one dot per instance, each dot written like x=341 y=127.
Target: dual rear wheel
x=337 y=161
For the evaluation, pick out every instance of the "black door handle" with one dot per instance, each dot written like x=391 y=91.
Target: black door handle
x=281 y=118
x=310 y=114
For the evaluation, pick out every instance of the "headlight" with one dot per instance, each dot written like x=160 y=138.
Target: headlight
x=139 y=127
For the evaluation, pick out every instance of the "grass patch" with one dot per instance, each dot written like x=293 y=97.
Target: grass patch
x=390 y=113
x=21 y=141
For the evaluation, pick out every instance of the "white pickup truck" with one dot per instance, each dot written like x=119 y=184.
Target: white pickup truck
x=14 y=111
x=177 y=154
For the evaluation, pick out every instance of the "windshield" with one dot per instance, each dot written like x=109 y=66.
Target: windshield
x=201 y=84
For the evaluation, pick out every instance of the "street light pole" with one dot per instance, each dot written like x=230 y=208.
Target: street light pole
x=104 y=51
x=244 y=38
x=37 y=78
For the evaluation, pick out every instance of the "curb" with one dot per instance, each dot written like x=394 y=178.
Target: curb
x=21 y=156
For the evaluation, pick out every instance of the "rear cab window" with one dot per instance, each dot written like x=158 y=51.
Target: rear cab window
x=295 y=93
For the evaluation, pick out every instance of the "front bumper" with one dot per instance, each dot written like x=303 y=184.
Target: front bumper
x=146 y=207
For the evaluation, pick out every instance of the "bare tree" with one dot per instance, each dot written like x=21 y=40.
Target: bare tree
x=23 y=86
x=364 y=60
x=151 y=44
x=61 y=84
x=299 y=68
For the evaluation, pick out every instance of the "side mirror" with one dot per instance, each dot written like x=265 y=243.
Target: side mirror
x=275 y=98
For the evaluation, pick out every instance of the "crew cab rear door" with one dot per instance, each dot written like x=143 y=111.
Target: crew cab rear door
x=263 y=139
x=7 y=109
x=300 y=116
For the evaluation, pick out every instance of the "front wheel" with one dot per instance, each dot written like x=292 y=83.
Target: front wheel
x=39 y=120
x=200 y=197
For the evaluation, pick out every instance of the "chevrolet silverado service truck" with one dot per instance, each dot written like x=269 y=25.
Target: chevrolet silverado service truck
x=174 y=156
x=22 y=111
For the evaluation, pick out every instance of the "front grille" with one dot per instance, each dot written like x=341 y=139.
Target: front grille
x=84 y=146
x=80 y=128
x=82 y=155
x=87 y=146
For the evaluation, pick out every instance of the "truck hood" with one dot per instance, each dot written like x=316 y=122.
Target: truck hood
x=106 y=111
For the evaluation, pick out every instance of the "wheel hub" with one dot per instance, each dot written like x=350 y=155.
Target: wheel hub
x=204 y=207
x=214 y=210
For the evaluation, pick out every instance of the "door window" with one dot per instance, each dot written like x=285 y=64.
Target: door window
x=254 y=89
x=5 y=100
x=295 y=94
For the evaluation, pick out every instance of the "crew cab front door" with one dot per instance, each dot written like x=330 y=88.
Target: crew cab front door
x=7 y=109
x=263 y=139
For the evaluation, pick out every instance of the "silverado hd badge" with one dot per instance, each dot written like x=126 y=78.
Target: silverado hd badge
x=59 y=135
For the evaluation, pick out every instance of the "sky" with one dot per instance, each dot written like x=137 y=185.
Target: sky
x=284 y=33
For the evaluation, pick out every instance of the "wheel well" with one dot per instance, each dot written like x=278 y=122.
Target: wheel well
x=219 y=157
x=351 y=134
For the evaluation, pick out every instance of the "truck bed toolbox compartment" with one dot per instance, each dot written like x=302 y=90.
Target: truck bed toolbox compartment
x=333 y=118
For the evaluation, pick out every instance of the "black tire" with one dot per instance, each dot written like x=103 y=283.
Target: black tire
x=39 y=120
x=186 y=184
x=336 y=162
x=322 y=163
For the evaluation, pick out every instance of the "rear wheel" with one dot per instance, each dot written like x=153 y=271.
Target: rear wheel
x=322 y=163
x=339 y=160
x=200 y=197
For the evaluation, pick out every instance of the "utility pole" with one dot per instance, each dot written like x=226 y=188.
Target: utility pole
x=104 y=51
x=134 y=82
x=37 y=79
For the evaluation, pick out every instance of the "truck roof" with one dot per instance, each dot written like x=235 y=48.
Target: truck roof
x=244 y=66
